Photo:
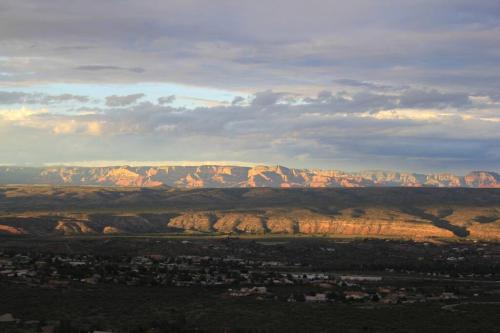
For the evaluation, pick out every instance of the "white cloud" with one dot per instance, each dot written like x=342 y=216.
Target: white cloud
x=42 y=119
x=22 y=115
x=104 y=163
x=72 y=126
x=408 y=114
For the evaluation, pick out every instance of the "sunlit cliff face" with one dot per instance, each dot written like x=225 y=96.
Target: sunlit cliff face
x=237 y=176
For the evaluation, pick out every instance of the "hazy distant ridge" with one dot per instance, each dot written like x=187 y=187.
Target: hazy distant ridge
x=237 y=176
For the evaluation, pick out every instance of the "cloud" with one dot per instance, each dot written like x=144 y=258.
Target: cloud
x=105 y=163
x=324 y=95
x=343 y=102
x=360 y=83
x=110 y=68
x=237 y=100
x=166 y=99
x=303 y=135
x=14 y=97
x=433 y=99
x=75 y=127
x=20 y=116
x=119 y=101
x=42 y=119
x=267 y=98
x=365 y=45
x=94 y=128
x=409 y=114
x=363 y=84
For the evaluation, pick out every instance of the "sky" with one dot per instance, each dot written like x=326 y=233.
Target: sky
x=410 y=85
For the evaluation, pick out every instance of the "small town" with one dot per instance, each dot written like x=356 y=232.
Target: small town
x=258 y=271
x=253 y=275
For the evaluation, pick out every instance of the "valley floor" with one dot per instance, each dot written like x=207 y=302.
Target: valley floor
x=298 y=284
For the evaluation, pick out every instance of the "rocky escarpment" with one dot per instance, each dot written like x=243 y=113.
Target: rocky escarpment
x=84 y=224
x=367 y=212
x=237 y=176
x=482 y=222
x=416 y=223
x=371 y=222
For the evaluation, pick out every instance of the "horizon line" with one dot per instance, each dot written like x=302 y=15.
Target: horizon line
x=186 y=163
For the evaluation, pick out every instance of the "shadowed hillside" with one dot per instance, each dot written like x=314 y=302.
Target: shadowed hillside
x=380 y=212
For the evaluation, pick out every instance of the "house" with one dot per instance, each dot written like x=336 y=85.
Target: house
x=8 y=318
x=77 y=263
x=57 y=283
x=48 y=329
x=94 y=279
x=249 y=291
x=390 y=299
x=360 y=278
x=325 y=285
x=384 y=290
x=355 y=295
x=317 y=298
x=447 y=296
x=157 y=257
x=258 y=290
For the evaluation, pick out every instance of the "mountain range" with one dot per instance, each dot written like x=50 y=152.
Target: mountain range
x=216 y=176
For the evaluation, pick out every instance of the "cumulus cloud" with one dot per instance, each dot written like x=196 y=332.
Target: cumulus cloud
x=237 y=100
x=433 y=99
x=267 y=98
x=72 y=126
x=324 y=95
x=15 y=97
x=341 y=130
x=22 y=116
x=166 y=99
x=294 y=134
x=410 y=114
x=119 y=101
x=343 y=102
x=42 y=119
